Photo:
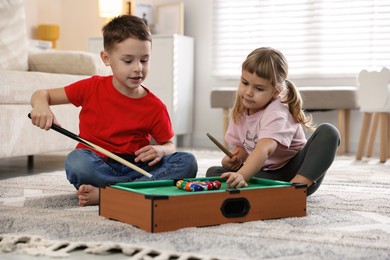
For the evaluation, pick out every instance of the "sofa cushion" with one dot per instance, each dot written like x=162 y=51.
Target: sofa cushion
x=18 y=86
x=13 y=36
x=68 y=62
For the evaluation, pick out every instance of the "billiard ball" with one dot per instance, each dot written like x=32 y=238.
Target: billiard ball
x=196 y=187
x=217 y=184
x=178 y=184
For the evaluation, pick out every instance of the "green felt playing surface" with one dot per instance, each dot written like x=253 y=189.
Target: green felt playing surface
x=168 y=187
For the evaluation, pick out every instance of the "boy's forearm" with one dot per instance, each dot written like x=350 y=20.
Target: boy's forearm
x=169 y=147
x=40 y=98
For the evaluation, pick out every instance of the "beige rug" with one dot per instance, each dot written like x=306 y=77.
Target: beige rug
x=348 y=218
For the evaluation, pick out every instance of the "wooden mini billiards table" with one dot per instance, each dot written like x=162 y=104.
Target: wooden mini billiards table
x=159 y=206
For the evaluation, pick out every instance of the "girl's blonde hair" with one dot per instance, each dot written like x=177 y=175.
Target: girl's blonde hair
x=271 y=65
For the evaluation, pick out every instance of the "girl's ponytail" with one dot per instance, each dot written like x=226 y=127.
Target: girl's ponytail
x=291 y=96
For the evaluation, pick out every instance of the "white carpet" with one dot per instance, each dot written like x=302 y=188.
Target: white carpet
x=348 y=218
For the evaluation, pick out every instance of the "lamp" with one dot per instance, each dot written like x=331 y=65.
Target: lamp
x=49 y=32
x=110 y=8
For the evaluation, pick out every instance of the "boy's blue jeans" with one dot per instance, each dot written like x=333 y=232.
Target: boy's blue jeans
x=84 y=166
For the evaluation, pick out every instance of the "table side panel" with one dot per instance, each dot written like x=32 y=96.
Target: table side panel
x=280 y=203
x=127 y=207
x=205 y=209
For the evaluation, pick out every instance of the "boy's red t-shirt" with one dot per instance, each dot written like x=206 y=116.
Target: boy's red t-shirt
x=116 y=122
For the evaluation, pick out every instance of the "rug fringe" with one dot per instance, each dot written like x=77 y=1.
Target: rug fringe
x=37 y=246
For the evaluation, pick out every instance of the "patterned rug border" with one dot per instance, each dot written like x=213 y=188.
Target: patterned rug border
x=37 y=246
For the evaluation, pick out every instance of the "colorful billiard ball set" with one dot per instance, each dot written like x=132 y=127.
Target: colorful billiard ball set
x=198 y=185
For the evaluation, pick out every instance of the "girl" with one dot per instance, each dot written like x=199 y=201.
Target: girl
x=266 y=129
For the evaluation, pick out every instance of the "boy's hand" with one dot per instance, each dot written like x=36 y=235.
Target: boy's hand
x=234 y=180
x=43 y=119
x=152 y=153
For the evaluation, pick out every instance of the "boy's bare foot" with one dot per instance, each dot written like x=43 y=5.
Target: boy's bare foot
x=88 y=195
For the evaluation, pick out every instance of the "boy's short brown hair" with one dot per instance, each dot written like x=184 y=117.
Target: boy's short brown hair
x=123 y=27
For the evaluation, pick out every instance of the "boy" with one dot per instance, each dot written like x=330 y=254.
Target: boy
x=119 y=114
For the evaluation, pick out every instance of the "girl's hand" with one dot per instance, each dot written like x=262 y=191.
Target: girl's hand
x=152 y=153
x=234 y=180
x=233 y=163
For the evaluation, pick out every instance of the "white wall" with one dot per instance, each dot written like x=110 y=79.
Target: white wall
x=79 y=20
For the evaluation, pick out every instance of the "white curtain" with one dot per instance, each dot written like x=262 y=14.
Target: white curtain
x=320 y=38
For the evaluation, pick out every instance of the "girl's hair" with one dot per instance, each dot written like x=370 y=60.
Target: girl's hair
x=123 y=27
x=271 y=65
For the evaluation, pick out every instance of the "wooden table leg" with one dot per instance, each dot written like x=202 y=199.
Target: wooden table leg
x=341 y=127
x=374 y=130
x=384 y=137
x=347 y=129
x=363 y=135
x=388 y=134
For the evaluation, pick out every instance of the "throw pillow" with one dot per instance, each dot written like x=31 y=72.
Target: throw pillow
x=13 y=35
x=68 y=62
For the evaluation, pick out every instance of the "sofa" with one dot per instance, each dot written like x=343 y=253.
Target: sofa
x=25 y=68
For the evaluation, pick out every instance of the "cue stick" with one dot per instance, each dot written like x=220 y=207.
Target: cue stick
x=220 y=146
x=99 y=149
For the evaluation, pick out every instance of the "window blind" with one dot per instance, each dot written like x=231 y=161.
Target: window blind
x=320 y=38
